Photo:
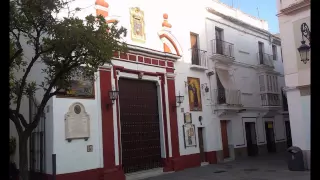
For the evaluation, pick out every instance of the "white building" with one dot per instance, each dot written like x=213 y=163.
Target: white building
x=225 y=64
x=294 y=16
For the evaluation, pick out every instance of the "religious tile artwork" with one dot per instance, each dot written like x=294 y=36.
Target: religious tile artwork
x=80 y=87
x=77 y=124
x=137 y=25
x=194 y=94
x=189 y=134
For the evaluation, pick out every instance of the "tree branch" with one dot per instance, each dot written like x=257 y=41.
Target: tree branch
x=21 y=118
x=16 y=54
x=15 y=120
x=46 y=98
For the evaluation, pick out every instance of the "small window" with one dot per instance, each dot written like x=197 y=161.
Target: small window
x=274 y=52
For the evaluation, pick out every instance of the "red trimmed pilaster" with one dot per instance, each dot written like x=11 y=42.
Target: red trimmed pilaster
x=175 y=161
x=110 y=170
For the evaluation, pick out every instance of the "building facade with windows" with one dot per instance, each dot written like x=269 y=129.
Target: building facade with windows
x=294 y=23
x=199 y=85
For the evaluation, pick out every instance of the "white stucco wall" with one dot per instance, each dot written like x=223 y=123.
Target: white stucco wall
x=305 y=104
x=289 y=50
x=67 y=153
x=296 y=73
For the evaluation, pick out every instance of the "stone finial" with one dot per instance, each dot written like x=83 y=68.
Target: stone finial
x=102 y=3
x=165 y=21
x=102 y=8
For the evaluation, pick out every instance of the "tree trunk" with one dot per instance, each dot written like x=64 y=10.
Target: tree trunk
x=23 y=156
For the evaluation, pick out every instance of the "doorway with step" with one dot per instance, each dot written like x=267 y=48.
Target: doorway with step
x=271 y=142
x=201 y=145
x=288 y=134
x=224 y=139
x=251 y=136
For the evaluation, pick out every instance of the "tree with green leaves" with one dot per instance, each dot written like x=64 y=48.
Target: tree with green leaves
x=64 y=45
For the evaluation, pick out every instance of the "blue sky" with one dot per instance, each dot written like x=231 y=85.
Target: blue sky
x=267 y=10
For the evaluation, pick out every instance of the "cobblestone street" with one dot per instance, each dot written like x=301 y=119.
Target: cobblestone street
x=269 y=167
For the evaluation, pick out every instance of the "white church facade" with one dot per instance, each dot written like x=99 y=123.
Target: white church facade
x=201 y=85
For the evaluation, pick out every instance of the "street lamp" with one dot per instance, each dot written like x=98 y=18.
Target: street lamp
x=304 y=49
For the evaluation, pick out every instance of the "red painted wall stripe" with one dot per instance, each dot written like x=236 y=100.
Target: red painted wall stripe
x=107 y=123
x=173 y=118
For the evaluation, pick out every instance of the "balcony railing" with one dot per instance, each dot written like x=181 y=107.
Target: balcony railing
x=265 y=59
x=226 y=96
x=269 y=99
x=222 y=47
x=198 y=57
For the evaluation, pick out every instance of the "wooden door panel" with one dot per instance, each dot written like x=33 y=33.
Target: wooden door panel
x=140 y=129
x=224 y=138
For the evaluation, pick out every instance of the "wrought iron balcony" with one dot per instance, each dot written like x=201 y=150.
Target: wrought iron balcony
x=269 y=99
x=222 y=48
x=198 y=57
x=265 y=59
x=226 y=96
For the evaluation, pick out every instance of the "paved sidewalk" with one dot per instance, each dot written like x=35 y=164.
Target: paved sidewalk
x=267 y=167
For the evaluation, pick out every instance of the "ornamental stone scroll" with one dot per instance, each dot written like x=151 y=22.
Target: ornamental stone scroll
x=77 y=123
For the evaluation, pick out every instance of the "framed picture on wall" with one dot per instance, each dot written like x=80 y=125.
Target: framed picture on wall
x=189 y=134
x=81 y=86
x=194 y=92
x=187 y=117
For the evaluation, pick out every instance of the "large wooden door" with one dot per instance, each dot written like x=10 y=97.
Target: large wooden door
x=271 y=142
x=201 y=147
x=140 y=130
x=224 y=138
x=252 y=146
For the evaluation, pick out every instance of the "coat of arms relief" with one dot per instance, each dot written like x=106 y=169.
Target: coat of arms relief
x=137 y=25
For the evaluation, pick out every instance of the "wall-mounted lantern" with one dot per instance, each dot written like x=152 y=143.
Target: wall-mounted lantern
x=304 y=49
x=205 y=87
x=113 y=95
x=179 y=99
x=200 y=120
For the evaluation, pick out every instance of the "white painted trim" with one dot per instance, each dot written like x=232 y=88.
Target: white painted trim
x=101 y=8
x=168 y=43
x=162 y=132
x=115 y=122
x=238 y=29
x=106 y=67
x=145 y=50
x=173 y=39
x=293 y=88
x=142 y=63
x=170 y=75
x=99 y=116
x=168 y=116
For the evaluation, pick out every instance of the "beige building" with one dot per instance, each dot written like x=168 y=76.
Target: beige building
x=294 y=22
